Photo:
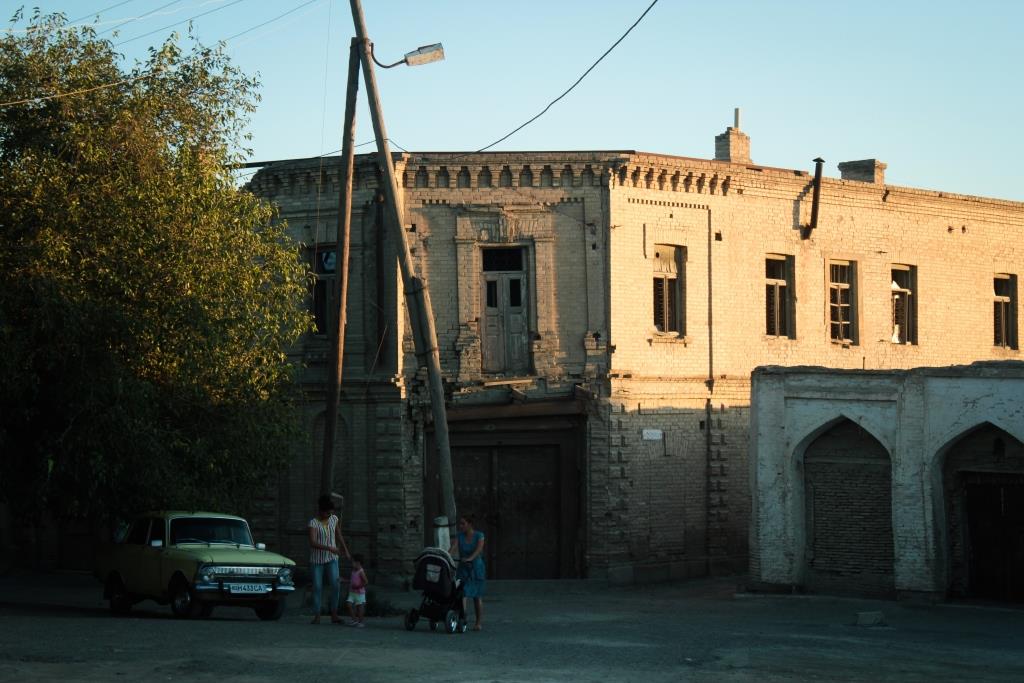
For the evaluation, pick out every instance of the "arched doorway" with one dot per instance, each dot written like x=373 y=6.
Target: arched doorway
x=983 y=491
x=848 y=512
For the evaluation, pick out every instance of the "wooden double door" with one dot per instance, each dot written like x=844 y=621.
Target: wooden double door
x=521 y=485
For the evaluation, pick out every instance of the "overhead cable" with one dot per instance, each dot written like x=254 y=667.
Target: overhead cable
x=164 y=28
x=141 y=16
x=151 y=74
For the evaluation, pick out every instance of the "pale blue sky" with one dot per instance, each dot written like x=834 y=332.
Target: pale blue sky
x=933 y=88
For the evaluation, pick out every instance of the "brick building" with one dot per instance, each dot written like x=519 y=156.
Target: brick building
x=599 y=315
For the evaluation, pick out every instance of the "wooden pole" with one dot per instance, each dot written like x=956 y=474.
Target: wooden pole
x=416 y=295
x=341 y=271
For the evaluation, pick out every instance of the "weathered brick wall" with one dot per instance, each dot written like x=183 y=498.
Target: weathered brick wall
x=848 y=503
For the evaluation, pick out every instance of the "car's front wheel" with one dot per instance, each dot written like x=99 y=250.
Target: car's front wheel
x=184 y=604
x=271 y=611
x=120 y=600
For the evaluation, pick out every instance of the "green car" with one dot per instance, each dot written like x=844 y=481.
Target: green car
x=194 y=561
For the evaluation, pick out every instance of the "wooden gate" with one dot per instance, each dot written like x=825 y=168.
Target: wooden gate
x=519 y=479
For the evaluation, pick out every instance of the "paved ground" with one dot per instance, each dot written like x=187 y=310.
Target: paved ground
x=56 y=627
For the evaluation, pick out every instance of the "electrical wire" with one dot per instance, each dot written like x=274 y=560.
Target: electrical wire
x=99 y=11
x=164 y=28
x=151 y=74
x=578 y=81
x=142 y=16
x=570 y=89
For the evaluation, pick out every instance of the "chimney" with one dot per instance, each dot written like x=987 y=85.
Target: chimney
x=733 y=145
x=865 y=171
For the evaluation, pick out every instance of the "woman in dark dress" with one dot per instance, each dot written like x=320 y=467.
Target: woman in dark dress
x=470 y=544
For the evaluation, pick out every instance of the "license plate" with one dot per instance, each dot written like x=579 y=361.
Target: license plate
x=248 y=588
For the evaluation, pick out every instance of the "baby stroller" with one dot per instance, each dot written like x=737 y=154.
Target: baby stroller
x=442 y=592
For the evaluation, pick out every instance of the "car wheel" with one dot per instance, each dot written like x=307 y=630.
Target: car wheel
x=411 y=617
x=272 y=611
x=451 y=621
x=120 y=600
x=183 y=601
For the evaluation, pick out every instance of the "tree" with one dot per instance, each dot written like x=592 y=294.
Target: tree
x=146 y=303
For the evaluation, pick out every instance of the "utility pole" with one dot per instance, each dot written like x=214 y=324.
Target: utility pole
x=416 y=295
x=341 y=271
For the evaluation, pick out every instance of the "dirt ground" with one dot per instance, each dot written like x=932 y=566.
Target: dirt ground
x=56 y=627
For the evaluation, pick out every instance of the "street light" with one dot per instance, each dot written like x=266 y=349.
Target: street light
x=417 y=297
x=421 y=55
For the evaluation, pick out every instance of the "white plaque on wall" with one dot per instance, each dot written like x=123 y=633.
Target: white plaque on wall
x=653 y=435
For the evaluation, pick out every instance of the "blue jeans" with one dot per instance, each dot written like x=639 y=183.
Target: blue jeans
x=318 y=570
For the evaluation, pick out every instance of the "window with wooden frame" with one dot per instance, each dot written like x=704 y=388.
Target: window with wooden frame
x=1004 y=311
x=324 y=285
x=778 y=296
x=902 y=287
x=842 y=301
x=669 y=289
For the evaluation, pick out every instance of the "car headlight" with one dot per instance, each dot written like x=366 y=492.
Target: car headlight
x=207 y=574
x=284 y=576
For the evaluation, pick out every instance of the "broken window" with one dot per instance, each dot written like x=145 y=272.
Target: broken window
x=1004 y=312
x=506 y=311
x=904 y=304
x=842 y=306
x=778 y=296
x=324 y=287
x=669 y=280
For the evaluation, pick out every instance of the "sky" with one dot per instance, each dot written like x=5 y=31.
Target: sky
x=933 y=88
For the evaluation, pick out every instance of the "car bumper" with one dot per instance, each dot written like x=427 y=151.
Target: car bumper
x=241 y=591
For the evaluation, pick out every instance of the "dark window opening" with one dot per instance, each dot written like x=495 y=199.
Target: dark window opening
x=515 y=294
x=325 y=271
x=778 y=301
x=492 y=294
x=668 y=292
x=842 y=313
x=1004 y=311
x=137 y=534
x=503 y=259
x=904 y=318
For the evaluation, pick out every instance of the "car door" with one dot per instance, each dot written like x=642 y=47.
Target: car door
x=131 y=556
x=151 y=563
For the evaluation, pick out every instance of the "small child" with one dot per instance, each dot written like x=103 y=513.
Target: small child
x=356 y=600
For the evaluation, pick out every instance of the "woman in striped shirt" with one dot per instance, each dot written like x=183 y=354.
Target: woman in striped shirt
x=324 y=540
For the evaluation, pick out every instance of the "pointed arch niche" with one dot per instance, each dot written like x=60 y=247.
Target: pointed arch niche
x=848 y=531
x=983 y=509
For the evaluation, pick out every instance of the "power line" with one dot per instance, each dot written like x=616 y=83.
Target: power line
x=270 y=21
x=143 y=16
x=164 y=28
x=99 y=12
x=569 y=90
x=578 y=81
x=151 y=74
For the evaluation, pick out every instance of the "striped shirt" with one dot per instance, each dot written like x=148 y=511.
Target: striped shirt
x=325 y=535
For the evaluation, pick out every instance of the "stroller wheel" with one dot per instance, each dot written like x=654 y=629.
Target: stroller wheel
x=411 y=617
x=451 y=621
x=433 y=625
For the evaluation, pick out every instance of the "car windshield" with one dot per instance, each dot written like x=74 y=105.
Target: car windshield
x=209 y=530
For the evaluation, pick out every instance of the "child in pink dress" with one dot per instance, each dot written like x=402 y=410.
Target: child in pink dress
x=357 y=593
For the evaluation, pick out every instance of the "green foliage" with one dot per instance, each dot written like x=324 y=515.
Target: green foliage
x=146 y=303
